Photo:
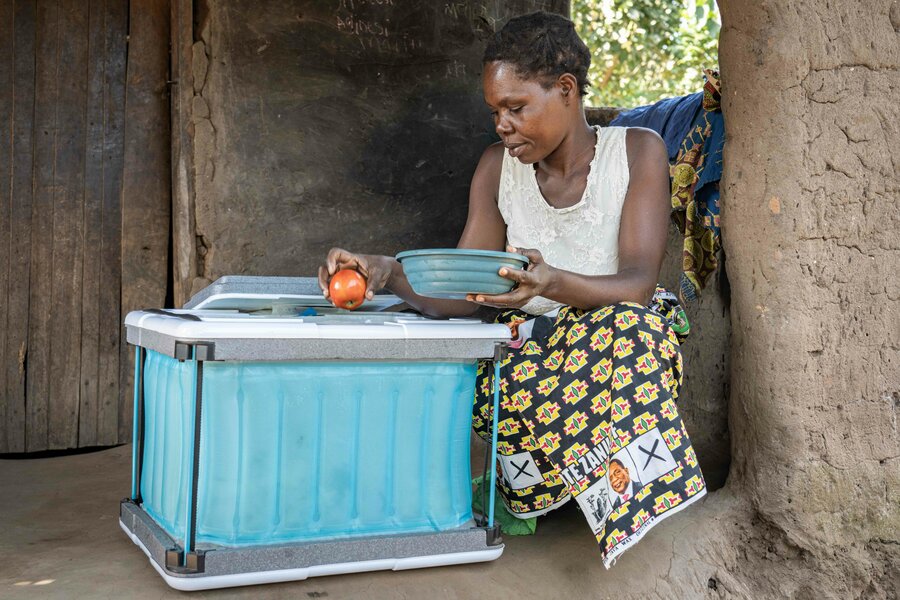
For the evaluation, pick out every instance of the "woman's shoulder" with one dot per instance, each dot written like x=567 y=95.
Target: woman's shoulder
x=642 y=135
x=492 y=155
x=641 y=139
x=490 y=164
x=637 y=137
x=486 y=179
x=642 y=143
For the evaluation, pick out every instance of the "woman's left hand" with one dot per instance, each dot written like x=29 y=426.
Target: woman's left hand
x=532 y=281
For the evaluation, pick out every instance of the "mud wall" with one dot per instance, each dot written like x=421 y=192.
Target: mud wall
x=812 y=233
x=703 y=399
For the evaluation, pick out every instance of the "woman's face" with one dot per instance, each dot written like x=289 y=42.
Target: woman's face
x=530 y=119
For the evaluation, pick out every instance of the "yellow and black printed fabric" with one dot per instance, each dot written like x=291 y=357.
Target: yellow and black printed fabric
x=588 y=412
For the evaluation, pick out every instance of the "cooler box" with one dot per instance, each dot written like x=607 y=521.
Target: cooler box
x=278 y=438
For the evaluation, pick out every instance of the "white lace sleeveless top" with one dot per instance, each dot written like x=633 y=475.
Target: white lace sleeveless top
x=583 y=238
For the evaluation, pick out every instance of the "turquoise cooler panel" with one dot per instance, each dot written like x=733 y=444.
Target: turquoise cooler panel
x=309 y=451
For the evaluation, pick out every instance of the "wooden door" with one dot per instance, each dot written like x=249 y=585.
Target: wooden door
x=84 y=211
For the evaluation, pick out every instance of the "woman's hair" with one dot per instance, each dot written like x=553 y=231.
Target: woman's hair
x=541 y=45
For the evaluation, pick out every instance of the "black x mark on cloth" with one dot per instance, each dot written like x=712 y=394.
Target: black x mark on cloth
x=651 y=453
x=520 y=469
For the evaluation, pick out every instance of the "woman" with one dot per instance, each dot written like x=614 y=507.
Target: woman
x=588 y=387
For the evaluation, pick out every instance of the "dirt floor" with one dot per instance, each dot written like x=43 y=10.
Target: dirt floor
x=60 y=538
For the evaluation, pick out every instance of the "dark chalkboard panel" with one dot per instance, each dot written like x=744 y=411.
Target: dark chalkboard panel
x=349 y=122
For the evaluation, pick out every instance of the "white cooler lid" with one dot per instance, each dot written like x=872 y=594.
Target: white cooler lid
x=251 y=293
x=355 y=336
x=221 y=318
x=218 y=324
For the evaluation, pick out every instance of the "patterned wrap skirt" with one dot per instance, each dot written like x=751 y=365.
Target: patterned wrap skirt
x=588 y=412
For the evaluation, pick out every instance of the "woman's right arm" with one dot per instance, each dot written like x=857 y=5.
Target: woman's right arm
x=484 y=230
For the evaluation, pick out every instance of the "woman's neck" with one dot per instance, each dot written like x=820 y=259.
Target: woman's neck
x=573 y=153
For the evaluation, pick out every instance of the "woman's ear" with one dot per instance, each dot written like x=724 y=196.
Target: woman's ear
x=567 y=86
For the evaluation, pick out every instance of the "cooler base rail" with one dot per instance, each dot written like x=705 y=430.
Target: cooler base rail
x=222 y=567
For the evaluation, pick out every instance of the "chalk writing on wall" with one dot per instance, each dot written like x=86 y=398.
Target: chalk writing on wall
x=370 y=22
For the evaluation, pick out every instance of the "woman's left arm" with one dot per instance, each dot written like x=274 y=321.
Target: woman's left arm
x=642 y=241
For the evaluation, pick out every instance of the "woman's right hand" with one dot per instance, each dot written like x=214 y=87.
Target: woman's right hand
x=376 y=269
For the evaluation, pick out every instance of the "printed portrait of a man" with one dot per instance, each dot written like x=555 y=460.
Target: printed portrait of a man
x=623 y=482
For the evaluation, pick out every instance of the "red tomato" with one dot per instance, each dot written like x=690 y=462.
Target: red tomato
x=347 y=289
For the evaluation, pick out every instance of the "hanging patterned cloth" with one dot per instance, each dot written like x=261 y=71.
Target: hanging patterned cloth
x=694 y=131
x=695 y=175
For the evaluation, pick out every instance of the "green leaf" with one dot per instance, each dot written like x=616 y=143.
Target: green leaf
x=658 y=47
x=509 y=524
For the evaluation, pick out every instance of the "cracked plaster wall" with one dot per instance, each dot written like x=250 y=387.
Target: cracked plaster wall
x=812 y=233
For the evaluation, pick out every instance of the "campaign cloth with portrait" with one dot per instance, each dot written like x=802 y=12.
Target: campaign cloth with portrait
x=588 y=412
